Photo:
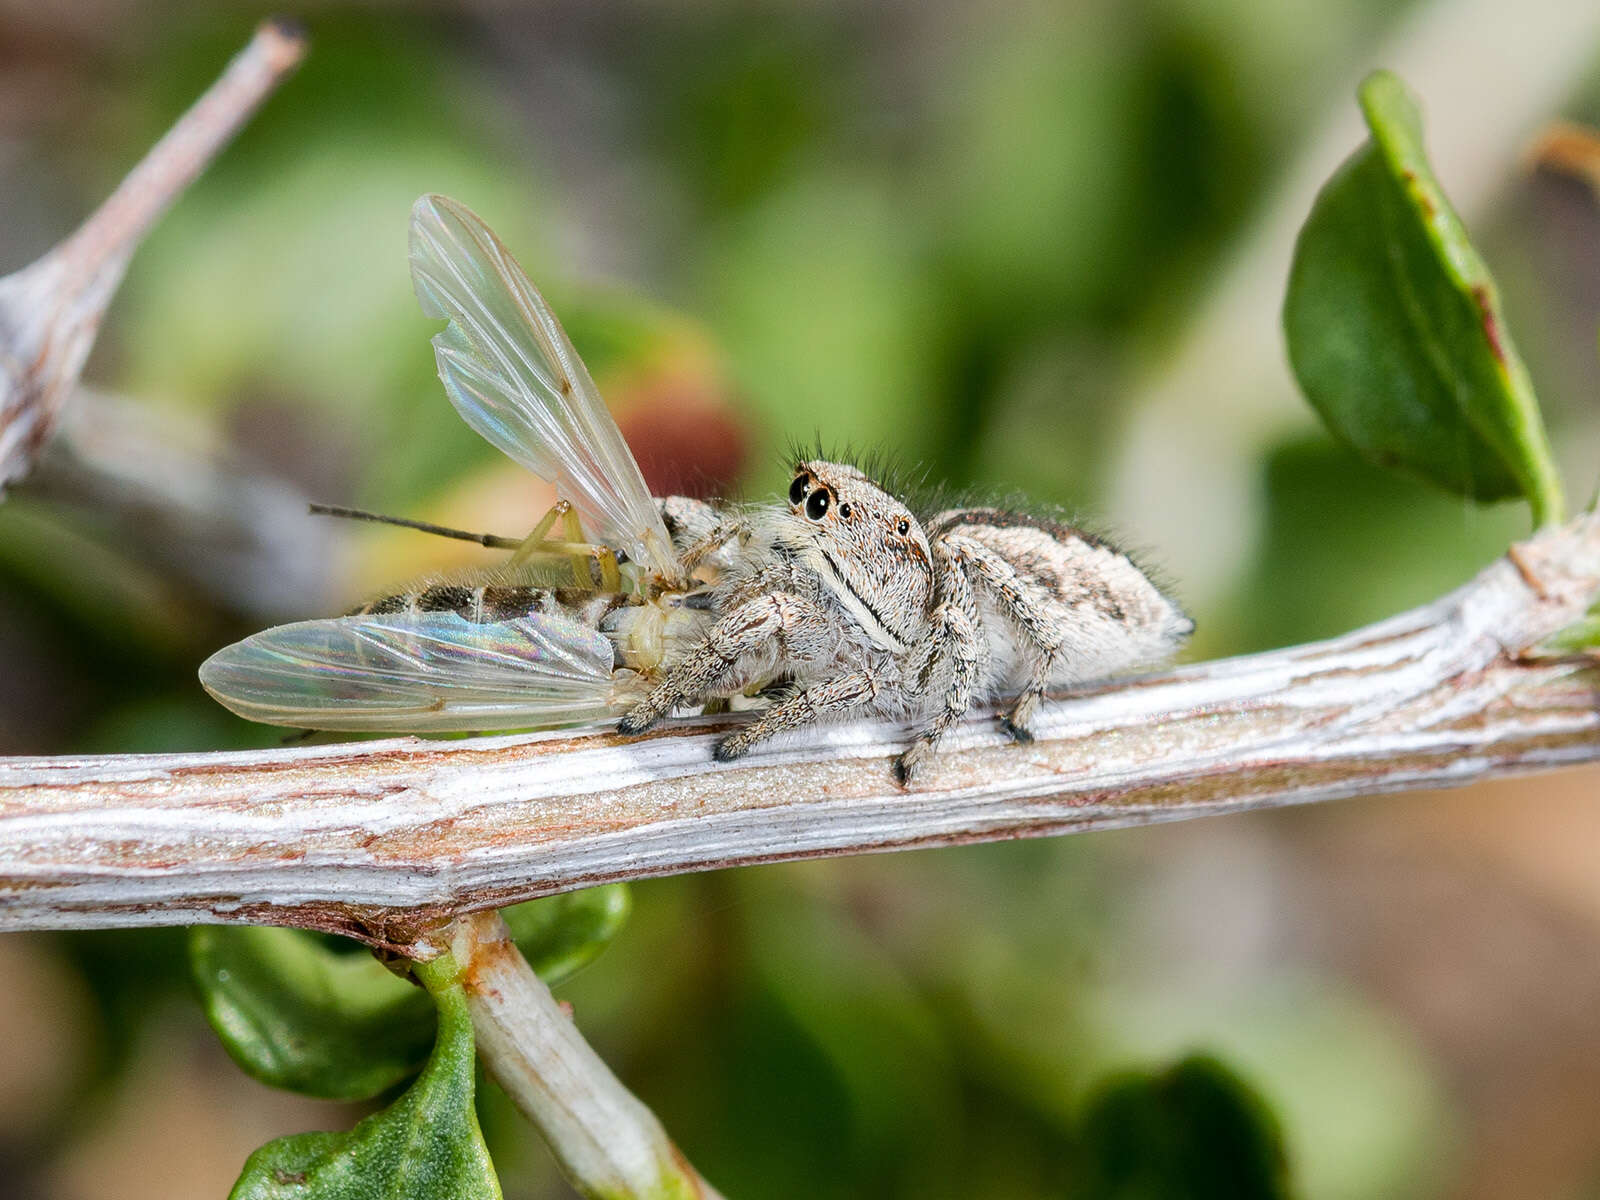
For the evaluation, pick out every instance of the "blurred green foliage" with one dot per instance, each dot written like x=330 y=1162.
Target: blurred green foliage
x=1193 y=1132
x=1346 y=543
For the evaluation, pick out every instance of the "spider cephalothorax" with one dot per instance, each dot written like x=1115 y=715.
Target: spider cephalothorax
x=865 y=547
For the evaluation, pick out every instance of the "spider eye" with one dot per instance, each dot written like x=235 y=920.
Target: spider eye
x=844 y=511
x=903 y=528
x=797 y=489
x=817 y=504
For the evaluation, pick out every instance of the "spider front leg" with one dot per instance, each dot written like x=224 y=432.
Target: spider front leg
x=837 y=695
x=955 y=636
x=799 y=625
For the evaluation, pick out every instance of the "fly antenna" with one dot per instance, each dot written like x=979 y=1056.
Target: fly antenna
x=492 y=541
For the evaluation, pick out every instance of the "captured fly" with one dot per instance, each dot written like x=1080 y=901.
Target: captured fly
x=837 y=599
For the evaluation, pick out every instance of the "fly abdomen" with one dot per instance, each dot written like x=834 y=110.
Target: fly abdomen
x=484 y=604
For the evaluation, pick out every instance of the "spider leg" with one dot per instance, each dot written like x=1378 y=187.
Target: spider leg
x=1022 y=602
x=799 y=624
x=699 y=529
x=837 y=695
x=955 y=637
x=719 y=537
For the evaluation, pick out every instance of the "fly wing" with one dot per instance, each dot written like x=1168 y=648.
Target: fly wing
x=515 y=378
x=428 y=672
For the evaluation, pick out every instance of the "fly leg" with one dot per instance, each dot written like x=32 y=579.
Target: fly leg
x=799 y=625
x=837 y=695
x=591 y=565
x=1025 y=606
x=536 y=542
x=598 y=565
x=956 y=638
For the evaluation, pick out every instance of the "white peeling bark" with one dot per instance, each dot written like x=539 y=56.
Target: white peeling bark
x=385 y=840
x=607 y=1142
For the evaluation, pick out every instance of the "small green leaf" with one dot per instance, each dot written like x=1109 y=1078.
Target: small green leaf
x=558 y=935
x=295 y=1013
x=426 y=1144
x=1581 y=637
x=1395 y=329
x=1195 y=1132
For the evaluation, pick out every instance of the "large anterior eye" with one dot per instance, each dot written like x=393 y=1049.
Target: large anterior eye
x=817 y=504
x=797 y=489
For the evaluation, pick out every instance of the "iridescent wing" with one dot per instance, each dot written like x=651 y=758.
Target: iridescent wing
x=515 y=378
x=427 y=672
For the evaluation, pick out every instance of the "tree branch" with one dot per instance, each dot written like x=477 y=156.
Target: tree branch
x=50 y=310
x=386 y=840
x=607 y=1142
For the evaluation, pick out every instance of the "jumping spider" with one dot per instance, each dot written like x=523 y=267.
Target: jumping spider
x=861 y=605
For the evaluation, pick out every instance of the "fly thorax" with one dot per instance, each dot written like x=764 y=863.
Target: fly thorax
x=648 y=637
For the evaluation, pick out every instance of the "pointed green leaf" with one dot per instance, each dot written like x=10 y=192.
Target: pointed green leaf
x=295 y=1013
x=1195 y=1132
x=558 y=935
x=426 y=1144
x=1395 y=329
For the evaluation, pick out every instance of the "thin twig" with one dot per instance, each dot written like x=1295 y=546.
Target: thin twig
x=165 y=490
x=607 y=1142
x=386 y=840
x=50 y=311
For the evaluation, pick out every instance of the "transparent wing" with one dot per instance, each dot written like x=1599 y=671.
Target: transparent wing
x=418 y=673
x=515 y=378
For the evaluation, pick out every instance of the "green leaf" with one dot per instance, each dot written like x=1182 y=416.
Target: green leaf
x=426 y=1144
x=1395 y=329
x=295 y=1013
x=1581 y=637
x=559 y=935
x=1195 y=1132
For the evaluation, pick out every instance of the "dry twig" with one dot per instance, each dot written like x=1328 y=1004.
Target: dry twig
x=387 y=840
x=164 y=490
x=50 y=311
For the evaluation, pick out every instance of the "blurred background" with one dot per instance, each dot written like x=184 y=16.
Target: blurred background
x=1034 y=246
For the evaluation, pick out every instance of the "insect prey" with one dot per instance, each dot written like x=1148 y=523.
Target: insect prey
x=841 y=597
